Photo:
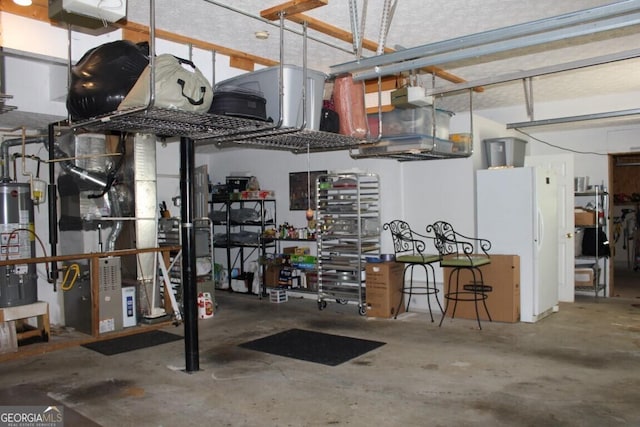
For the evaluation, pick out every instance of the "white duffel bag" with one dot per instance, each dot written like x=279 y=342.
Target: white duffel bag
x=179 y=85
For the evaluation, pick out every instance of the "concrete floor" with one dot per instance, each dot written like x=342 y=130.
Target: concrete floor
x=577 y=367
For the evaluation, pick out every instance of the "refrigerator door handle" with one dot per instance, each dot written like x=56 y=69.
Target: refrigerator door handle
x=540 y=230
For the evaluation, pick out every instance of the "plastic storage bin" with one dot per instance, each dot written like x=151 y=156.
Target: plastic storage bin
x=412 y=129
x=266 y=81
x=411 y=121
x=504 y=152
x=278 y=295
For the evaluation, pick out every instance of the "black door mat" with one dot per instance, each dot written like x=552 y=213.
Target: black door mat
x=313 y=346
x=132 y=342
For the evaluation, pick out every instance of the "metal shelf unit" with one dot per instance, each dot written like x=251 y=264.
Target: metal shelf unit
x=348 y=230
x=236 y=239
x=364 y=152
x=222 y=131
x=305 y=269
x=598 y=262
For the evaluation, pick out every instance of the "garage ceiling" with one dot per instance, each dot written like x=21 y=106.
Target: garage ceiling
x=415 y=23
x=418 y=22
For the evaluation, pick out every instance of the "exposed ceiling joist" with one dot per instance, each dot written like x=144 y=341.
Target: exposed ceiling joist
x=38 y=9
x=292 y=7
x=137 y=32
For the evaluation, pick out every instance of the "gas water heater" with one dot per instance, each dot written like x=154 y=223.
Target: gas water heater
x=18 y=282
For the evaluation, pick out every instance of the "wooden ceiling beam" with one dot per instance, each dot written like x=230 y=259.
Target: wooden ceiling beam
x=38 y=10
x=139 y=32
x=242 y=63
x=292 y=7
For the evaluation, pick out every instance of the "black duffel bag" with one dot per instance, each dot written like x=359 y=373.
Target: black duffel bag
x=103 y=76
x=592 y=246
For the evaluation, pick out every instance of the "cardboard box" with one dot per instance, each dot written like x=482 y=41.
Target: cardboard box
x=584 y=277
x=310 y=281
x=503 y=302
x=584 y=218
x=410 y=97
x=384 y=289
x=285 y=278
x=272 y=275
x=303 y=262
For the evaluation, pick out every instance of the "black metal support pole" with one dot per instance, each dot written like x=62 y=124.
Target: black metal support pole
x=189 y=285
x=53 y=207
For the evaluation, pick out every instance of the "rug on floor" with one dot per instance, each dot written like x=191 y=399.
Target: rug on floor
x=311 y=346
x=132 y=342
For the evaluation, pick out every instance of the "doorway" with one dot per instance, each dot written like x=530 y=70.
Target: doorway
x=624 y=232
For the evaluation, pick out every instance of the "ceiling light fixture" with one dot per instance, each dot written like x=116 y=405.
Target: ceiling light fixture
x=22 y=2
x=262 y=35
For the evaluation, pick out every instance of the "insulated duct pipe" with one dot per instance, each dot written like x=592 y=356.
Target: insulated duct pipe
x=117 y=225
x=103 y=182
x=84 y=175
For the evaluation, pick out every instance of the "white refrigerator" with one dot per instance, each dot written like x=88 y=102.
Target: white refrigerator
x=517 y=212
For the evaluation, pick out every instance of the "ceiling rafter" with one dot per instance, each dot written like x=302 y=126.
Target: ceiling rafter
x=133 y=30
x=292 y=7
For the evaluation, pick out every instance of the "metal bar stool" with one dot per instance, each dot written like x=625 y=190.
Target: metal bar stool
x=409 y=248
x=460 y=252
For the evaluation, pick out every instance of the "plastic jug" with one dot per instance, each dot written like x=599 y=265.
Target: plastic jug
x=205 y=305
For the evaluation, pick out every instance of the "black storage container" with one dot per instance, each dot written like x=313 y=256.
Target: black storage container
x=239 y=102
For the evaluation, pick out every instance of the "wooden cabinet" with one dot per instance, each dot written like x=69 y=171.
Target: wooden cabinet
x=503 y=302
